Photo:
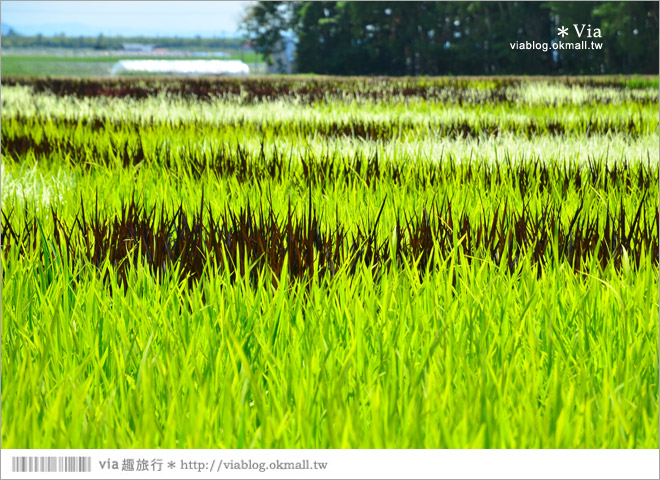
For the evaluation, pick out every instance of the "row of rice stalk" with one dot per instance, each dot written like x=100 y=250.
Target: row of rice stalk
x=338 y=119
x=529 y=176
x=307 y=90
x=42 y=135
x=349 y=203
x=81 y=147
x=195 y=243
x=468 y=358
x=459 y=91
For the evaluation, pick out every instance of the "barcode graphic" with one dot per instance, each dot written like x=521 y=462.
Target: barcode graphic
x=51 y=464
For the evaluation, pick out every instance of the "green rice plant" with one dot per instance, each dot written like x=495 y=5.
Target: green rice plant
x=254 y=236
x=467 y=358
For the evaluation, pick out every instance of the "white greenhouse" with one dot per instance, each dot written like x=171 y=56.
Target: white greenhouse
x=182 y=67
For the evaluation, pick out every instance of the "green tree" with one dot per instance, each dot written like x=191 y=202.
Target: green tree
x=435 y=38
x=265 y=24
x=630 y=33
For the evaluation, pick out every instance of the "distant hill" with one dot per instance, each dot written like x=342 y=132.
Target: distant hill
x=80 y=29
x=4 y=29
x=116 y=43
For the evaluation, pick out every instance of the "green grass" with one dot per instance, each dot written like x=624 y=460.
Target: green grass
x=54 y=67
x=493 y=362
x=466 y=354
x=40 y=65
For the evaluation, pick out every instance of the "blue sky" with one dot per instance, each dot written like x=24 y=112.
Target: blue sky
x=181 y=18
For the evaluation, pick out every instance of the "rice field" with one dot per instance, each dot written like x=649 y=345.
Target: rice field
x=316 y=262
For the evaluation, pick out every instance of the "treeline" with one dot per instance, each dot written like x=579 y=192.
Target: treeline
x=101 y=42
x=469 y=38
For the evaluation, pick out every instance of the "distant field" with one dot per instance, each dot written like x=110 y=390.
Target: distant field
x=314 y=262
x=41 y=65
